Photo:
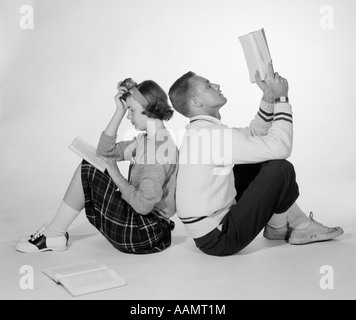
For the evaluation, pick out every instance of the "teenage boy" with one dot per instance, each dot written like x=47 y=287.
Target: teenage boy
x=233 y=182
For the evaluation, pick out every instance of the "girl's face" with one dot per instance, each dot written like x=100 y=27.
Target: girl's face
x=134 y=109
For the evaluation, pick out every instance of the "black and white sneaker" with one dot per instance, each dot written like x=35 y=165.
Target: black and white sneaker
x=38 y=242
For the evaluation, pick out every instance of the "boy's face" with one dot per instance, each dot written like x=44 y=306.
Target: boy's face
x=208 y=93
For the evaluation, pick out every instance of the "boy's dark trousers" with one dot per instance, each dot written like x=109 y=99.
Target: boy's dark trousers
x=263 y=190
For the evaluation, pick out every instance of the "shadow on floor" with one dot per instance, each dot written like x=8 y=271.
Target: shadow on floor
x=260 y=244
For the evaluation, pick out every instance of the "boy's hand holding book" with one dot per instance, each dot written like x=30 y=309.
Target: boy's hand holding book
x=267 y=93
x=274 y=86
x=278 y=85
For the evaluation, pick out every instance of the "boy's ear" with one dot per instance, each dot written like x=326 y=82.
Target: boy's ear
x=195 y=102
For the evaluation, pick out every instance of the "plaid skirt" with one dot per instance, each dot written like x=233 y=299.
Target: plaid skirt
x=124 y=228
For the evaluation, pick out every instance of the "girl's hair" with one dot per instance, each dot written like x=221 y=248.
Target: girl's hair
x=158 y=107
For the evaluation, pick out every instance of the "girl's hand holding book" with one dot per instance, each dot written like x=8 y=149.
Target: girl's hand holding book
x=111 y=166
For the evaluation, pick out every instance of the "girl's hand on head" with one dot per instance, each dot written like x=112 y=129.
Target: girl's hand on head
x=120 y=104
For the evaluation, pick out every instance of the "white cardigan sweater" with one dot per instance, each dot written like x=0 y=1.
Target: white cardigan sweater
x=209 y=150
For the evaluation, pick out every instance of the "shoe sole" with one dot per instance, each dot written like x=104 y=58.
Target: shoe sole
x=43 y=250
x=318 y=238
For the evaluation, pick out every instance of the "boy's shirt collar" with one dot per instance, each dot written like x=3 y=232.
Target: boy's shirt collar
x=206 y=118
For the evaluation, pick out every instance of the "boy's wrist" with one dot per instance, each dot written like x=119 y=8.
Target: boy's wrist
x=282 y=99
x=268 y=97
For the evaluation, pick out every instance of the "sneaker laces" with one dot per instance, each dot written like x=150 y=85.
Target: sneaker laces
x=320 y=224
x=311 y=217
x=38 y=233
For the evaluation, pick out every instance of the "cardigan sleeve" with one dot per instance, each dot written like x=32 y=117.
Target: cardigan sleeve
x=262 y=122
x=276 y=144
x=124 y=150
x=222 y=146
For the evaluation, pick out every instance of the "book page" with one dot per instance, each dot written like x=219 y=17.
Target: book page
x=75 y=269
x=92 y=282
x=252 y=56
x=266 y=44
x=88 y=153
x=256 y=53
x=261 y=41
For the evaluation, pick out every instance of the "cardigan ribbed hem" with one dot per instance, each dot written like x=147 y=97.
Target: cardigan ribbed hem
x=198 y=227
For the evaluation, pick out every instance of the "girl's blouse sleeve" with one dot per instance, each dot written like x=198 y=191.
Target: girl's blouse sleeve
x=121 y=151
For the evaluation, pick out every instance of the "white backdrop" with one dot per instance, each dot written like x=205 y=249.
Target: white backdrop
x=58 y=78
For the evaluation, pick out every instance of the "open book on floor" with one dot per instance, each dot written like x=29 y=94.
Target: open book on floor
x=85 y=277
x=256 y=53
x=88 y=152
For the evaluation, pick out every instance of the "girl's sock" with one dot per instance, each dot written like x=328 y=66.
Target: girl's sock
x=62 y=220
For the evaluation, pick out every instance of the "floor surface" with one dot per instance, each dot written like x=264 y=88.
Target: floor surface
x=264 y=270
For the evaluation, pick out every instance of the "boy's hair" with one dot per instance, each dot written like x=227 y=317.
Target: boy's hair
x=158 y=106
x=180 y=93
